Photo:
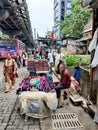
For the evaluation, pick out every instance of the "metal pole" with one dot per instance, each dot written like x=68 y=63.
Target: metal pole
x=35 y=36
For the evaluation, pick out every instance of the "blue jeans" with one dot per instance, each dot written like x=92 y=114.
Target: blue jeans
x=58 y=88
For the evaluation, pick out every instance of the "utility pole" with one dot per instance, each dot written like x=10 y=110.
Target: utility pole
x=35 y=36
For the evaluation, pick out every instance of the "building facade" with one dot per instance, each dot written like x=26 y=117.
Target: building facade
x=60 y=8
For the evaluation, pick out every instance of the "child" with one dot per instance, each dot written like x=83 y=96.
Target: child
x=77 y=73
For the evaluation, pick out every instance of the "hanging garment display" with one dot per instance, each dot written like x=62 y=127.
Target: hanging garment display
x=96 y=116
x=93 y=43
x=95 y=58
x=96 y=74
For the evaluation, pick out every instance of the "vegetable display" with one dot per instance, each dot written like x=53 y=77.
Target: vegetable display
x=72 y=60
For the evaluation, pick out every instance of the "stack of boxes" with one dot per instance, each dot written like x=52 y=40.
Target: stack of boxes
x=38 y=65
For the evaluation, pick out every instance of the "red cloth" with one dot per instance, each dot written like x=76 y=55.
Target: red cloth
x=65 y=78
x=94 y=72
x=75 y=82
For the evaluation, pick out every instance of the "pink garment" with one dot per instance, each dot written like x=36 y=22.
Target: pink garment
x=42 y=80
x=24 y=86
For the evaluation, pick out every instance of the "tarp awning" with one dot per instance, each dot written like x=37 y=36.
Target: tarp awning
x=85 y=3
x=84 y=39
x=91 y=3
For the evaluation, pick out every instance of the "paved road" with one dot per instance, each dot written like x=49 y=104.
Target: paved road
x=10 y=118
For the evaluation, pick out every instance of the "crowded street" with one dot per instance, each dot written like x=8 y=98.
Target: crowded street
x=10 y=118
x=48 y=64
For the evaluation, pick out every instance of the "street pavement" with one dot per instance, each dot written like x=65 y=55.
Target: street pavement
x=10 y=119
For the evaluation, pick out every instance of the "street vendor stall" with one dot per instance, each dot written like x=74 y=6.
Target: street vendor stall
x=37 y=97
x=37 y=104
x=38 y=66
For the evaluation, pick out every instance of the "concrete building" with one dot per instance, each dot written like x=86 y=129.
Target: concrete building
x=60 y=8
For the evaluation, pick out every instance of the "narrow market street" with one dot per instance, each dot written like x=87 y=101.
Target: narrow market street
x=10 y=119
x=55 y=46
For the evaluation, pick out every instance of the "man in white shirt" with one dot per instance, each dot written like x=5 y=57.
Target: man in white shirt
x=50 y=60
x=58 y=57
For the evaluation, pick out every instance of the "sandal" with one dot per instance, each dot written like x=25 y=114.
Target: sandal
x=61 y=106
x=6 y=91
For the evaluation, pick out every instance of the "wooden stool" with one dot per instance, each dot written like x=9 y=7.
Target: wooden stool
x=67 y=90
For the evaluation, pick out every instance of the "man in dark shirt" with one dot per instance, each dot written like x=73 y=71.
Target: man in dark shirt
x=65 y=80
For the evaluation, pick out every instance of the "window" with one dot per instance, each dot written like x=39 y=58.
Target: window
x=62 y=4
x=22 y=45
x=62 y=17
x=7 y=43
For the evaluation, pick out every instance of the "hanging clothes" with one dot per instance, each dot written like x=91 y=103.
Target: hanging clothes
x=96 y=74
x=95 y=58
x=93 y=43
x=96 y=116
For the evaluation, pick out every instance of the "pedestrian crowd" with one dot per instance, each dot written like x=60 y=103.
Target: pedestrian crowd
x=11 y=65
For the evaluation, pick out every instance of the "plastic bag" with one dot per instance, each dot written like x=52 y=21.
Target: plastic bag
x=34 y=106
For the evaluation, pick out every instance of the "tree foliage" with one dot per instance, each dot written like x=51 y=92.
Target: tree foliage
x=3 y=35
x=75 y=20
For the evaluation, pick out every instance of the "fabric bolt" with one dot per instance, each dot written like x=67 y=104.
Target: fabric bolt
x=44 y=86
x=49 y=80
x=42 y=83
x=33 y=81
x=38 y=83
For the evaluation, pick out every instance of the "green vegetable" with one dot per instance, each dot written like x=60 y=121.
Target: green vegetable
x=72 y=60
